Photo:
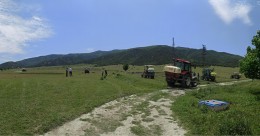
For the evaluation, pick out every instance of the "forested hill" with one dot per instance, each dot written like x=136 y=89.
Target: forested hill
x=162 y=54
x=158 y=54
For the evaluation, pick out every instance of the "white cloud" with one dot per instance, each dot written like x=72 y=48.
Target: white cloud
x=229 y=10
x=17 y=32
x=88 y=50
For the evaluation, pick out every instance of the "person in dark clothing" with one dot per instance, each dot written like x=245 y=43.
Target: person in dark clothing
x=67 y=71
x=105 y=73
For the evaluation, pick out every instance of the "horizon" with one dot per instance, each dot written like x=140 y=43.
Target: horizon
x=121 y=50
x=39 y=28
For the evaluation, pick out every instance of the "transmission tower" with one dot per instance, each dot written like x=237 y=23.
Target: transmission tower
x=173 y=47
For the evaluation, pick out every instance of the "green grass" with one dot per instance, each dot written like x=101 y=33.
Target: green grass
x=151 y=130
x=242 y=117
x=38 y=100
x=42 y=98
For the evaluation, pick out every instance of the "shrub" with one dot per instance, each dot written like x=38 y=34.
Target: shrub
x=125 y=67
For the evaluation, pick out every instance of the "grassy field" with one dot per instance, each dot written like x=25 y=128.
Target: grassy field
x=242 y=117
x=42 y=98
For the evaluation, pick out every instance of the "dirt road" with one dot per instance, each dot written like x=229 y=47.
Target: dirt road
x=133 y=115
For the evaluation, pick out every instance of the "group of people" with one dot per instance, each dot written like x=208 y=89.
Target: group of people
x=68 y=72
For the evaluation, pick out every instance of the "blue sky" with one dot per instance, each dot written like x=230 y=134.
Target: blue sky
x=30 y=28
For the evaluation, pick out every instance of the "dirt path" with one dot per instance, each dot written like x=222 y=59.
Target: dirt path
x=134 y=115
x=129 y=116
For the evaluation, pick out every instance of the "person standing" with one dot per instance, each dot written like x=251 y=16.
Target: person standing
x=70 y=71
x=67 y=71
x=105 y=73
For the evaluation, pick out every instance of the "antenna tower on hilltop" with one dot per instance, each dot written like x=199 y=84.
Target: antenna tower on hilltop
x=173 y=47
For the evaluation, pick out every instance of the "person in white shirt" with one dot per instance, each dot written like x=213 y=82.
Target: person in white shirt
x=70 y=71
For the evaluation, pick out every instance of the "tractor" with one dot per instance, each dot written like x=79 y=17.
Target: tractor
x=148 y=72
x=181 y=73
x=235 y=75
x=208 y=74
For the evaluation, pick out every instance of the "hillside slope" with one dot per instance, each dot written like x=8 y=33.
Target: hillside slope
x=162 y=54
x=157 y=55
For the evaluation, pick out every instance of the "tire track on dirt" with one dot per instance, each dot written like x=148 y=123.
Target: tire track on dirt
x=150 y=114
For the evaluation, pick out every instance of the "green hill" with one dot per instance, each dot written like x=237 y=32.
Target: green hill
x=157 y=55
x=162 y=54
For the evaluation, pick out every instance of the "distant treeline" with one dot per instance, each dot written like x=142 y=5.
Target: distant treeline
x=156 y=55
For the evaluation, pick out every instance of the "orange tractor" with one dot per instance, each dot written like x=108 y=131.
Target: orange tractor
x=181 y=73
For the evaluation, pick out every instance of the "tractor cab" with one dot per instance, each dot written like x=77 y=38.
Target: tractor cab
x=148 y=71
x=184 y=65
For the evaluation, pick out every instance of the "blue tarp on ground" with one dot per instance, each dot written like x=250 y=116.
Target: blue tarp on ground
x=215 y=105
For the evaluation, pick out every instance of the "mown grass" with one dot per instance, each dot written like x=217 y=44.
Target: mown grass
x=42 y=98
x=36 y=101
x=242 y=117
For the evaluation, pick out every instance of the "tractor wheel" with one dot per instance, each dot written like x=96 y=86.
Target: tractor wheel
x=194 y=84
x=170 y=84
x=186 y=82
x=213 y=79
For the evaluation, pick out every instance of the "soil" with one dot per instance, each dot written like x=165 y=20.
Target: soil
x=132 y=115
x=148 y=114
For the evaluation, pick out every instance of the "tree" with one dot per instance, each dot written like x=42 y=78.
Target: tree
x=125 y=67
x=250 y=65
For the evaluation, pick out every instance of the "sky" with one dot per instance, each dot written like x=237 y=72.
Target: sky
x=31 y=28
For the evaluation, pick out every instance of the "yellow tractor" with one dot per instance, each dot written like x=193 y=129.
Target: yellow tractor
x=208 y=74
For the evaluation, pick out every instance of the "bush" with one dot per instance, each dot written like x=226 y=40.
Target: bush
x=125 y=67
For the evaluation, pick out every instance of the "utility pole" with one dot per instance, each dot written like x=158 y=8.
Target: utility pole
x=173 y=47
x=173 y=51
x=204 y=52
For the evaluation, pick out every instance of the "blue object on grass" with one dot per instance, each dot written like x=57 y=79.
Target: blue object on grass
x=215 y=105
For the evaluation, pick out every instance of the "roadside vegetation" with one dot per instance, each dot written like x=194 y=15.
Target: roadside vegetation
x=242 y=117
x=35 y=101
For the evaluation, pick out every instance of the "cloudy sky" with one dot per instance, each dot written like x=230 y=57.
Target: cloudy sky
x=30 y=28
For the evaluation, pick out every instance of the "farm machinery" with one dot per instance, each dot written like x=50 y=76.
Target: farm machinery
x=180 y=73
x=208 y=74
x=148 y=72
x=235 y=75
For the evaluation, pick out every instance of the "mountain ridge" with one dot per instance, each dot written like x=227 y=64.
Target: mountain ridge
x=156 y=55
